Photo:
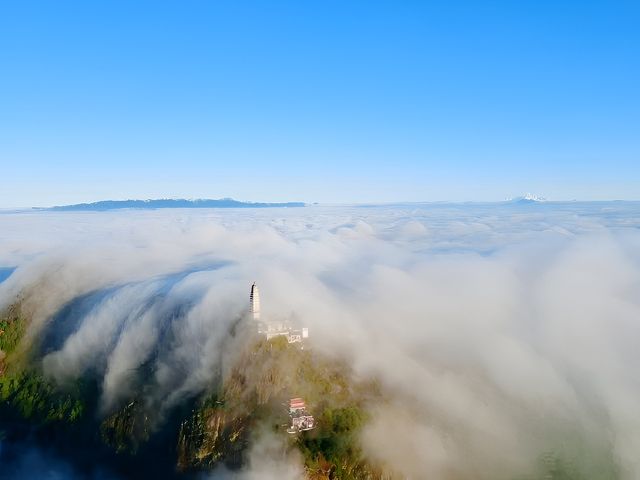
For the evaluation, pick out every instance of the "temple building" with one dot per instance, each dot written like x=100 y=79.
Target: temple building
x=301 y=419
x=274 y=328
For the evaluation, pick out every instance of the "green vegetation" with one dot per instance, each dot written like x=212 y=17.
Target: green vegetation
x=35 y=398
x=22 y=388
x=254 y=396
x=210 y=436
x=11 y=331
x=126 y=429
x=335 y=444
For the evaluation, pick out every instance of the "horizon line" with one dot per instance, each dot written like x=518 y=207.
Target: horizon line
x=283 y=204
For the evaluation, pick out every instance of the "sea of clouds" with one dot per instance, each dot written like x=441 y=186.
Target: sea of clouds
x=501 y=332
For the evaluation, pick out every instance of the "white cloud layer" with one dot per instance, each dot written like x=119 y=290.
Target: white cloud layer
x=502 y=331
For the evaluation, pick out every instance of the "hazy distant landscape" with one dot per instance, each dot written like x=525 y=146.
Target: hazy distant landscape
x=171 y=203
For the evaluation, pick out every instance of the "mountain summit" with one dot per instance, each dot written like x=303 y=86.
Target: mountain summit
x=527 y=198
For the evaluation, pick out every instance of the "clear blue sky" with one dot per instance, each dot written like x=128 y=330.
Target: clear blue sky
x=332 y=101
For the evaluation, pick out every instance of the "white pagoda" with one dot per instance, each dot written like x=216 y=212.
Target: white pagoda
x=254 y=301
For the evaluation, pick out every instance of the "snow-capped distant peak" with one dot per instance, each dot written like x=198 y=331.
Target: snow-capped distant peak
x=527 y=197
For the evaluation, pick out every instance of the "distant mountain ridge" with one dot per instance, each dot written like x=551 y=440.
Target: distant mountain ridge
x=169 y=203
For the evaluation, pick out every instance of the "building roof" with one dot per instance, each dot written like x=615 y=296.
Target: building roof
x=296 y=403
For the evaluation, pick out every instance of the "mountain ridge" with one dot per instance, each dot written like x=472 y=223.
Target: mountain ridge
x=161 y=203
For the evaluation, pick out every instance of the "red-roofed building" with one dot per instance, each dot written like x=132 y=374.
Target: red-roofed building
x=300 y=418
